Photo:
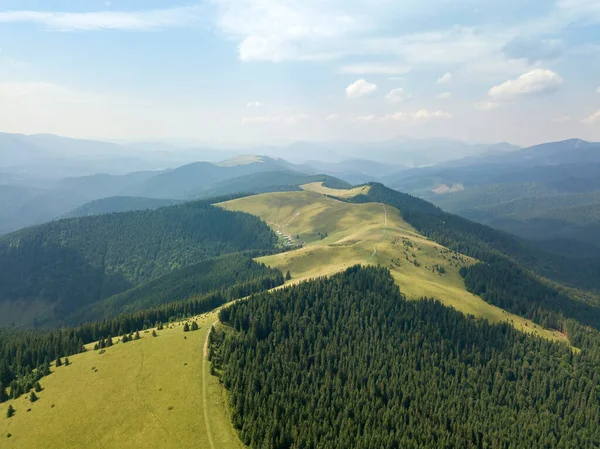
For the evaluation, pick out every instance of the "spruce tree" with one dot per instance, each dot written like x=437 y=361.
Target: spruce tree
x=288 y=275
x=33 y=397
x=3 y=395
x=10 y=412
x=137 y=336
x=186 y=327
x=58 y=362
x=125 y=338
x=37 y=387
x=194 y=326
x=109 y=341
x=154 y=333
x=67 y=363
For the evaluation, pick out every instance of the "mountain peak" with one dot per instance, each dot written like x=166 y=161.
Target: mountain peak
x=244 y=159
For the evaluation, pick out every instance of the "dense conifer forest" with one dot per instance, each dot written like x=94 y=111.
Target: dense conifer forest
x=211 y=275
x=348 y=362
x=72 y=263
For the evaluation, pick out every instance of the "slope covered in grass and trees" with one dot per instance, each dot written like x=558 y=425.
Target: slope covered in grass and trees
x=498 y=249
x=348 y=362
x=69 y=264
x=25 y=355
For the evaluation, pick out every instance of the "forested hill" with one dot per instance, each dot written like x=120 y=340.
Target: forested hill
x=211 y=275
x=348 y=362
x=118 y=204
x=57 y=268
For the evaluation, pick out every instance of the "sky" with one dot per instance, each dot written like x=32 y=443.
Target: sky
x=265 y=71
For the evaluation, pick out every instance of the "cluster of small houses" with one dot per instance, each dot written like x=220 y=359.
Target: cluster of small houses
x=287 y=240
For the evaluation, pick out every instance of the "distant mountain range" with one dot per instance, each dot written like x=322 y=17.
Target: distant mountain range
x=548 y=193
x=90 y=195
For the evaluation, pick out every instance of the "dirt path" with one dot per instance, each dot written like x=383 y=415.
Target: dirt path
x=384 y=232
x=205 y=390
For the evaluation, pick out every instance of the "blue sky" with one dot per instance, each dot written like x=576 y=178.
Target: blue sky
x=282 y=70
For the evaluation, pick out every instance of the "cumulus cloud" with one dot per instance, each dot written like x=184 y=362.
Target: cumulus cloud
x=114 y=20
x=538 y=81
x=360 y=88
x=444 y=95
x=422 y=115
x=445 y=79
x=535 y=82
x=254 y=104
x=374 y=69
x=398 y=95
x=592 y=119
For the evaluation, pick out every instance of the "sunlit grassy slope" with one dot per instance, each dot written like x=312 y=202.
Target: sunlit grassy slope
x=318 y=187
x=336 y=235
x=156 y=392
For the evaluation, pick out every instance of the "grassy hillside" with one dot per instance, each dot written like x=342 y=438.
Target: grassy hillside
x=69 y=264
x=156 y=392
x=336 y=235
x=320 y=187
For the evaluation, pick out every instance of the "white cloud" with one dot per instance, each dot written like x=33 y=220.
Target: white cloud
x=267 y=119
x=444 y=95
x=535 y=82
x=445 y=79
x=255 y=104
x=332 y=117
x=563 y=119
x=115 y=20
x=359 y=88
x=422 y=115
x=374 y=69
x=538 y=81
x=398 y=95
x=592 y=119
